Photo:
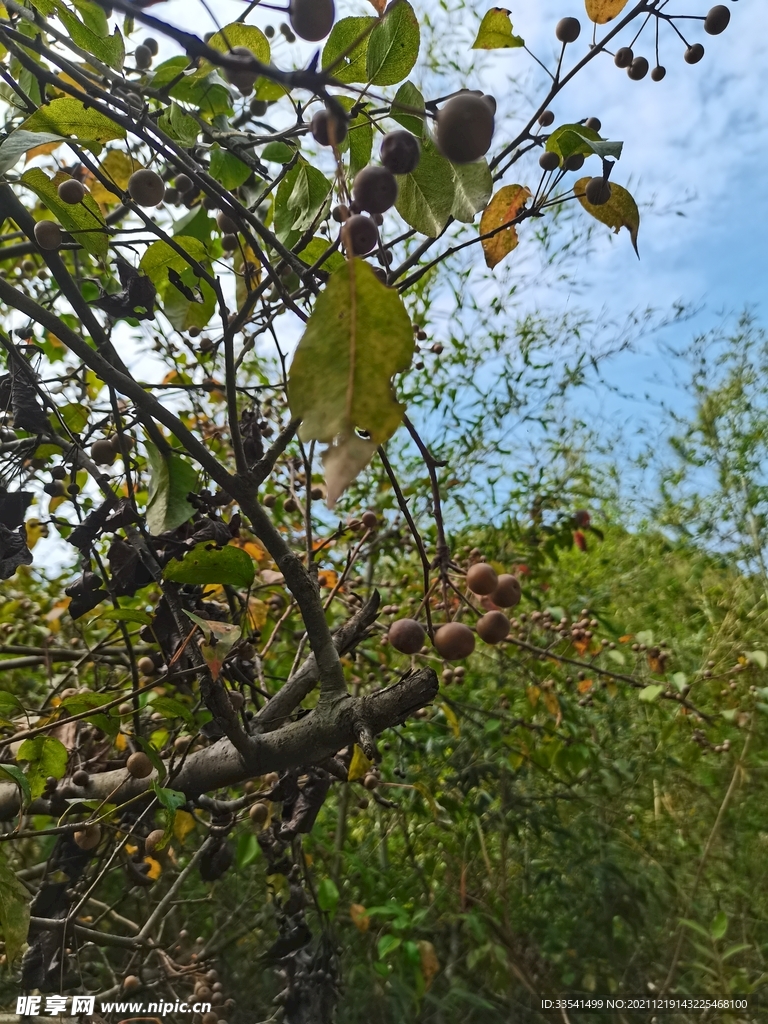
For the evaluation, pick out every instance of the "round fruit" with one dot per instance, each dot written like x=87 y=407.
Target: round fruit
x=151 y=45
x=184 y=184
x=146 y=666
x=508 y=593
x=465 y=128
x=226 y=224
x=594 y=123
x=102 y=452
x=369 y=520
x=493 y=627
x=55 y=489
x=482 y=578
x=400 y=152
x=406 y=636
x=258 y=108
x=341 y=213
x=139 y=765
x=258 y=813
x=119 y=442
x=146 y=187
x=142 y=57
x=568 y=30
x=81 y=777
x=72 y=191
x=371 y=781
x=574 y=162
x=717 y=20
x=131 y=983
x=454 y=641
x=48 y=234
x=638 y=69
x=598 y=191
x=360 y=234
x=236 y=699
x=229 y=243
x=375 y=189
x=658 y=73
x=88 y=838
x=491 y=101
x=154 y=838
x=546 y=119
x=328 y=129
x=623 y=57
x=549 y=161
x=242 y=78
x=694 y=53
x=312 y=19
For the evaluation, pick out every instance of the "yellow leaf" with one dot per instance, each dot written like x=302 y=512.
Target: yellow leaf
x=619 y=212
x=258 y=612
x=451 y=717
x=35 y=530
x=533 y=693
x=421 y=788
x=585 y=686
x=359 y=766
x=328 y=578
x=247 y=269
x=183 y=824
x=121 y=742
x=553 y=705
x=502 y=209
x=612 y=689
x=359 y=916
x=116 y=167
x=601 y=11
x=43 y=150
x=430 y=965
x=155 y=868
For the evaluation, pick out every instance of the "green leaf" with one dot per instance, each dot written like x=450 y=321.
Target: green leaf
x=719 y=926
x=14 y=909
x=408 y=99
x=157 y=763
x=248 y=849
x=207 y=564
x=16 y=775
x=345 y=60
x=278 y=153
x=619 y=212
x=301 y=195
x=227 y=169
x=328 y=896
x=171 y=481
x=83 y=221
x=387 y=944
x=20 y=142
x=648 y=694
x=9 y=703
x=92 y=33
x=759 y=658
x=220 y=638
x=171 y=799
x=184 y=312
x=359 y=142
x=426 y=197
x=69 y=117
x=169 y=707
x=179 y=125
x=316 y=247
x=577 y=138
x=239 y=34
x=160 y=257
x=495 y=32
x=393 y=48
x=473 y=185
x=46 y=756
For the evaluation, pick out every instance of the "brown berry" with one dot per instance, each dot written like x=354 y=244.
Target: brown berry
x=139 y=765
x=154 y=839
x=88 y=838
x=493 y=627
x=142 y=57
x=226 y=224
x=371 y=781
x=568 y=30
x=290 y=504
x=81 y=778
x=574 y=162
x=465 y=128
x=72 y=192
x=400 y=152
x=312 y=19
x=594 y=123
x=369 y=520
x=658 y=73
x=328 y=128
x=258 y=813
x=406 y=636
x=48 y=234
x=102 y=452
x=242 y=77
x=717 y=20
x=598 y=191
x=454 y=641
x=549 y=161
x=236 y=699
x=638 y=69
x=152 y=45
x=131 y=983
x=375 y=189
x=546 y=118
x=146 y=666
x=360 y=234
x=623 y=57
x=229 y=243
x=257 y=107
x=146 y=187
x=482 y=578
x=508 y=592
x=341 y=213
x=694 y=53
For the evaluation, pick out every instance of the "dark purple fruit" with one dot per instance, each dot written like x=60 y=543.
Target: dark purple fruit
x=360 y=234
x=151 y=45
x=574 y=162
x=312 y=19
x=226 y=224
x=243 y=77
x=598 y=191
x=146 y=187
x=658 y=73
x=406 y=636
x=48 y=234
x=465 y=128
x=549 y=161
x=375 y=189
x=717 y=20
x=341 y=213
x=184 y=184
x=638 y=69
x=328 y=129
x=257 y=107
x=72 y=192
x=594 y=123
x=694 y=53
x=102 y=452
x=623 y=57
x=142 y=57
x=400 y=152
x=568 y=30
x=81 y=778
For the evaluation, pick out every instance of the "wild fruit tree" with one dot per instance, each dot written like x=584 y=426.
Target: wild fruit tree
x=190 y=192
